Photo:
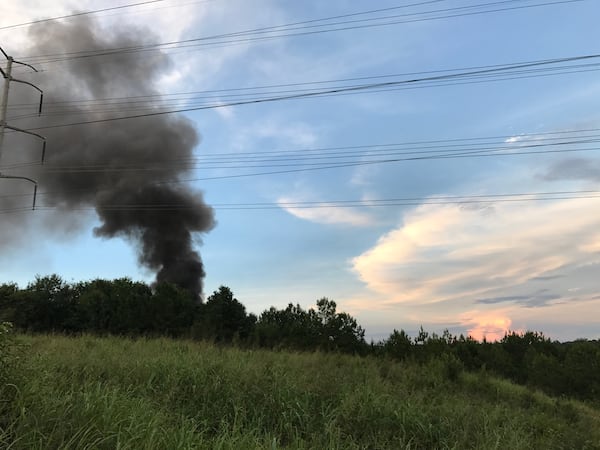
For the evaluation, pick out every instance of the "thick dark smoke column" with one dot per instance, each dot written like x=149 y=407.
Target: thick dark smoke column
x=127 y=169
x=164 y=237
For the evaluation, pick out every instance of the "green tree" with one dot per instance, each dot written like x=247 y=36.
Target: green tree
x=114 y=306
x=292 y=327
x=94 y=309
x=8 y=293
x=172 y=310
x=399 y=345
x=47 y=304
x=339 y=331
x=517 y=345
x=469 y=352
x=224 y=318
x=582 y=361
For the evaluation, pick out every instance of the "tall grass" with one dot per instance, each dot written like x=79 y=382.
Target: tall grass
x=107 y=393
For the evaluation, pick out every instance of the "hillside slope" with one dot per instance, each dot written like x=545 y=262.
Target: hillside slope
x=106 y=393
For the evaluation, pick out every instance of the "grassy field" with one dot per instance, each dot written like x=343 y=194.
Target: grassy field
x=112 y=393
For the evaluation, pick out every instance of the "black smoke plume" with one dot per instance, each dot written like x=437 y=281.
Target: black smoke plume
x=128 y=170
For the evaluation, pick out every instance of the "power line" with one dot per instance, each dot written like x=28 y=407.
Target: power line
x=85 y=13
x=523 y=138
x=505 y=69
x=433 y=198
x=369 y=155
x=332 y=204
x=305 y=86
x=431 y=148
x=215 y=98
x=216 y=104
x=245 y=32
x=471 y=147
x=366 y=163
x=258 y=34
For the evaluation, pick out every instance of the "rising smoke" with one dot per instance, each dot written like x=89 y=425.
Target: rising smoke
x=128 y=170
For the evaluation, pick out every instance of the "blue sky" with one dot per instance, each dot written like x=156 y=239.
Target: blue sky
x=478 y=268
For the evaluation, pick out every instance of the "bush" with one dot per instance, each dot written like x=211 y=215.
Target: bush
x=8 y=359
x=7 y=355
x=453 y=367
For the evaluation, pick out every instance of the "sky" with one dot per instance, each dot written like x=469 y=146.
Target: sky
x=483 y=264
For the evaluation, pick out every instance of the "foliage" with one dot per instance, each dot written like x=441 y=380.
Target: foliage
x=398 y=345
x=6 y=351
x=224 y=319
x=9 y=366
x=323 y=329
x=120 y=306
x=107 y=393
x=339 y=331
x=172 y=310
x=292 y=327
x=527 y=358
x=125 y=307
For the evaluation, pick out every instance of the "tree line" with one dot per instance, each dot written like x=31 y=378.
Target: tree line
x=124 y=307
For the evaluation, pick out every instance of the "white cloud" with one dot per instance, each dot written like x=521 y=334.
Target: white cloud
x=529 y=266
x=444 y=253
x=325 y=214
x=277 y=132
x=225 y=112
x=513 y=139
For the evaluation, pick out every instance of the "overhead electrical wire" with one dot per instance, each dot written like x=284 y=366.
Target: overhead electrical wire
x=263 y=30
x=103 y=10
x=198 y=104
x=478 y=199
x=474 y=76
x=375 y=154
x=367 y=163
x=271 y=28
x=304 y=28
x=504 y=70
x=410 y=201
x=79 y=14
x=68 y=16
x=381 y=157
x=303 y=160
x=217 y=98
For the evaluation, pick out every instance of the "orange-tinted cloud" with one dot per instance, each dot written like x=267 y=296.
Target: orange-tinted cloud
x=445 y=260
x=444 y=253
x=488 y=325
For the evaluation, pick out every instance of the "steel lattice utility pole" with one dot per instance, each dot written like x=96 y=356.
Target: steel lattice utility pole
x=8 y=78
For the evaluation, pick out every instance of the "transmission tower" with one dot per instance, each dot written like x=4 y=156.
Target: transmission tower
x=8 y=78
